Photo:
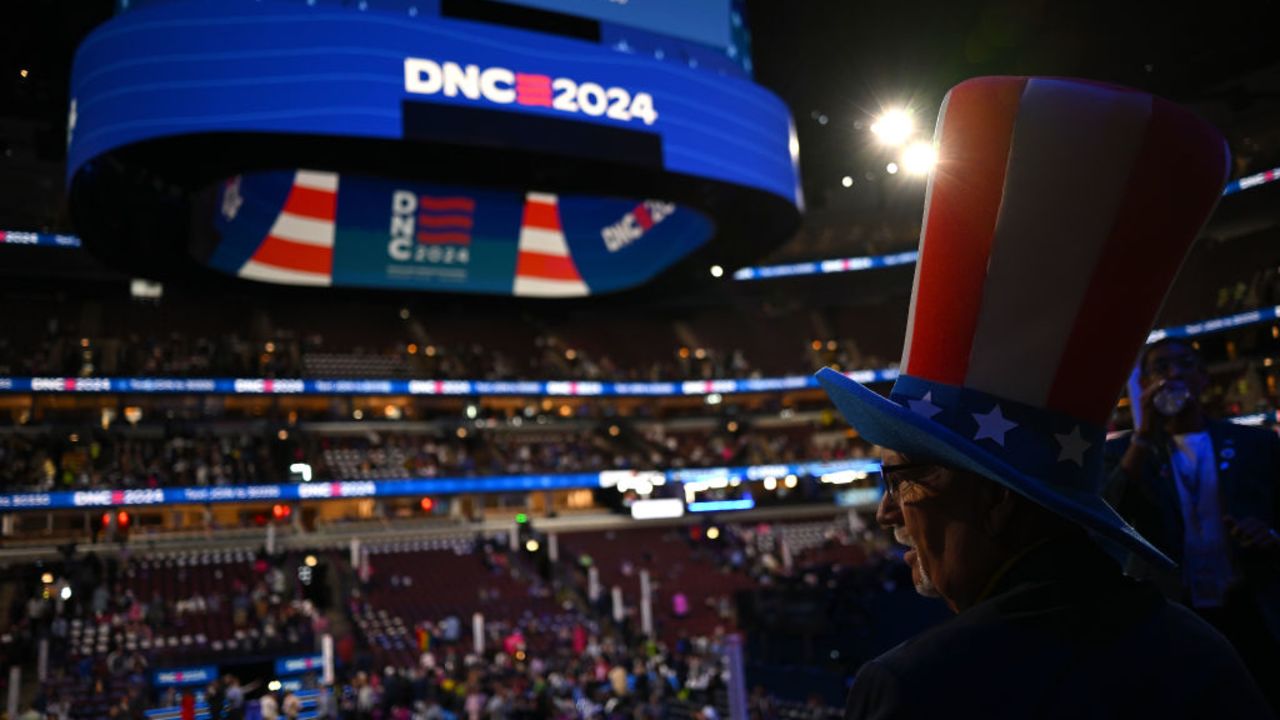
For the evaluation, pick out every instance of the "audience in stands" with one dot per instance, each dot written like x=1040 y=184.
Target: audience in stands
x=550 y=651
x=286 y=356
x=147 y=457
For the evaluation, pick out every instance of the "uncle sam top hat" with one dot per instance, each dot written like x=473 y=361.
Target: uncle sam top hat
x=1055 y=220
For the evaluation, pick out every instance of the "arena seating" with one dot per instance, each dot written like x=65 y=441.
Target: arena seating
x=675 y=565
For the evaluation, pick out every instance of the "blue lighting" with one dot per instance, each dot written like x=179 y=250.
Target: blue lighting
x=745 y=503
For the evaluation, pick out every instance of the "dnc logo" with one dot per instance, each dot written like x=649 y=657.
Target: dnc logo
x=505 y=87
x=430 y=229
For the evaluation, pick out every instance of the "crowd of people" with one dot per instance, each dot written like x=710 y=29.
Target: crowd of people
x=286 y=356
x=575 y=662
x=578 y=661
x=105 y=632
x=103 y=459
x=152 y=458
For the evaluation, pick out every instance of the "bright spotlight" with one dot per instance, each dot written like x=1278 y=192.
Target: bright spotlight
x=532 y=546
x=713 y=533
x=919 y=158
x=46 y=578
x=66 y=592
x=893 y=128
x=310 y=561
x=716 y=271
x=846 y=181
x=891 y=168
x=274 y=686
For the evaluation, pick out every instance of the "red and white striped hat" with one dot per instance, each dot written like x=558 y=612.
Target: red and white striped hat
x=1055 y=221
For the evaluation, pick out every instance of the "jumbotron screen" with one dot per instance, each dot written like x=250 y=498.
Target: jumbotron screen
x=543 y=148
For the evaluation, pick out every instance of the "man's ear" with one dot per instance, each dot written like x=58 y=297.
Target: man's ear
x=1001 y=506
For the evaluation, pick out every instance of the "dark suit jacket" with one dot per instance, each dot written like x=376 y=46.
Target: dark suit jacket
x=1064 y=635
x=1248 y=485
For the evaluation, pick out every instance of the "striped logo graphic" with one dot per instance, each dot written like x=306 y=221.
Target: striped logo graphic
x=533 y=90
x=298 y=249
x=445 y=220
x=544 y=267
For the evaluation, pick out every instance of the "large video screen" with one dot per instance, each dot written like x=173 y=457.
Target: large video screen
x=319 y=228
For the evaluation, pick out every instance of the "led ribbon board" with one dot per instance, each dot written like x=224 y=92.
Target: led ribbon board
x=317 y=228
x=321 y=122
x=407 y=487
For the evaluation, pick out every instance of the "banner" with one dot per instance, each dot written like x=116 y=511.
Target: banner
x=476 y=388
x=298 y=665
x=178 y=677
x=412 y=487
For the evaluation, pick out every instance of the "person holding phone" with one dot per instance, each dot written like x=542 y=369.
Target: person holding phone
x=1206 y=493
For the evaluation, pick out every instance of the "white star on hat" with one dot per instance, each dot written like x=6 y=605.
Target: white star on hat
x=993 y=425
x=924 y=406
x=1073 y=446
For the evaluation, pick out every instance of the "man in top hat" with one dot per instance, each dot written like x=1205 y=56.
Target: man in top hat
x=1024 y=320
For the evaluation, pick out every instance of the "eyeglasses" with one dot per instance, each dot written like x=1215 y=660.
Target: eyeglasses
x=894 y=476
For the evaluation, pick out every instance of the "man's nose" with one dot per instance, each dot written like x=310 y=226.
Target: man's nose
x=888 y=514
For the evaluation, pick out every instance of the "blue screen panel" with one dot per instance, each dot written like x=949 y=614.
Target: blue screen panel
x=703 y=21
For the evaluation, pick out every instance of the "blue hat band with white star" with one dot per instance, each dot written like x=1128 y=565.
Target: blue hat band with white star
x=1052 y=447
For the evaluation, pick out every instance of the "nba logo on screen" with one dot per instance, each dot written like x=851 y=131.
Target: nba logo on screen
x=431 y=229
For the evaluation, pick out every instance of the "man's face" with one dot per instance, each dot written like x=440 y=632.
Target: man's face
x=1175 y=362
x=932 y=511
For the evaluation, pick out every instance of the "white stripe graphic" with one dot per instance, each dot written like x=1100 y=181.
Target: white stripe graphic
x=254 y=270
x=539 y=287
x=305 y=230
x=924 y=232
x=547 y=242
x=1073 y=150
x=316 y=180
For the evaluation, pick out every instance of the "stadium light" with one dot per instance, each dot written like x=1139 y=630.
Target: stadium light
x=891 y=168
x=310 y=561
x=65 y=593
x=893 y=127
x=919 y=158
x=532 y=546
x=846 y=181
x=716 y=271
